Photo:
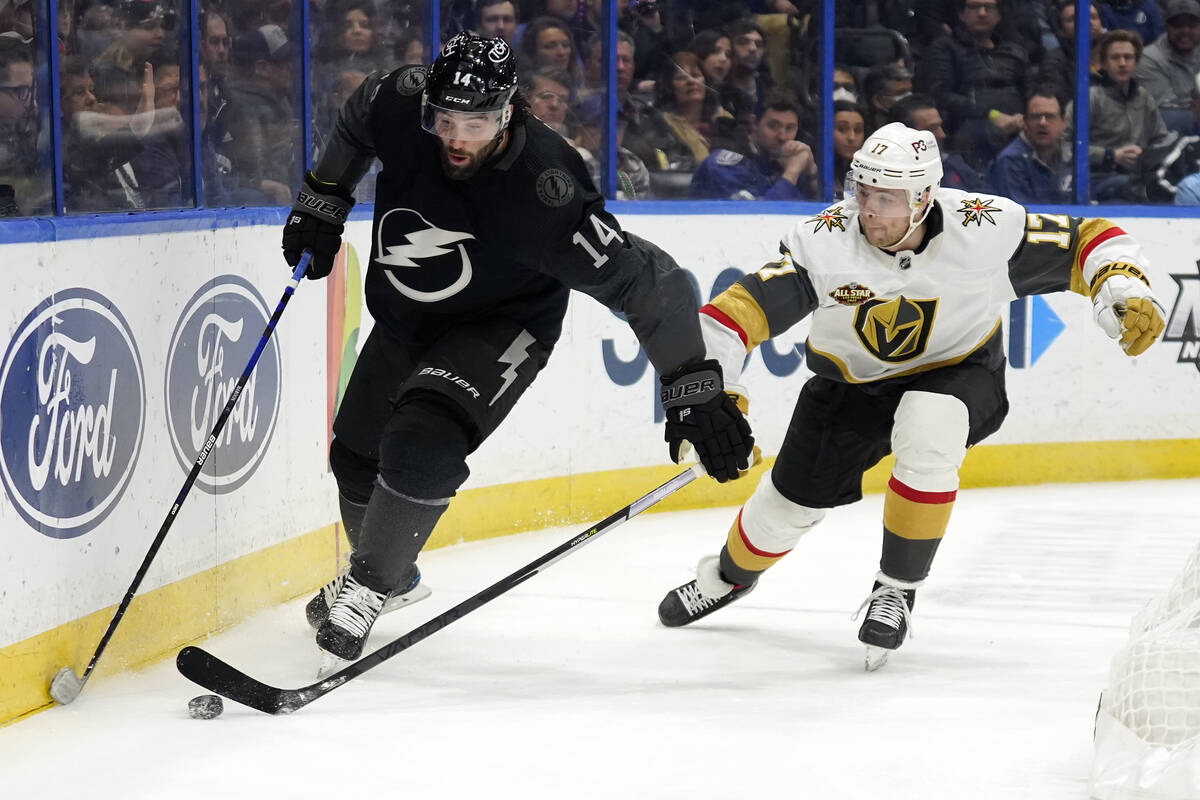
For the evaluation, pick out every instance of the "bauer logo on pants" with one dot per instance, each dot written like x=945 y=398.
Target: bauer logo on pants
x=213 y=341
x=73 y=406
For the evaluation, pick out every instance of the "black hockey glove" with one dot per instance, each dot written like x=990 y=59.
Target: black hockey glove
x=699 y=411
x=316 y=223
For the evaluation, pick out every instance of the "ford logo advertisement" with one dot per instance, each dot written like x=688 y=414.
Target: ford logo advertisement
x=213 y=341
x=73 y=408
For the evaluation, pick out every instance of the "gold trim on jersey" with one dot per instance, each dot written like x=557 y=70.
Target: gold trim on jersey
x=848 y=378
x=1115 y=268
x=741 y=307
x=1089 y=229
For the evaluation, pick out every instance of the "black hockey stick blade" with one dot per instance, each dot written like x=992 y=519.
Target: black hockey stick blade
x=205 y=669
x=202 y=667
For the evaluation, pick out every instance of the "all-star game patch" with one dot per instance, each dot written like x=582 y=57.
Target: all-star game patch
x=852 y=294
x=411 y=80
x=555 y=188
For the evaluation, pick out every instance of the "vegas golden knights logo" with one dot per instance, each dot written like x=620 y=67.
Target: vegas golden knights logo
x=895 y=330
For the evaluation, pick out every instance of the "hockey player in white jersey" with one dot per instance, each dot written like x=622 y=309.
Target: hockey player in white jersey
x=906 y=283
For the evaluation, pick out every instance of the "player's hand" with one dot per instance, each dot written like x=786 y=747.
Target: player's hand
x=316 y=223
x=699 y=411
x=1126 y=310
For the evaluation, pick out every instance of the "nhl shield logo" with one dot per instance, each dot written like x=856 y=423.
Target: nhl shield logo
x=895 y=330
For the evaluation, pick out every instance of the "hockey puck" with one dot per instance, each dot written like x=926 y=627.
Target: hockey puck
x=206 y=706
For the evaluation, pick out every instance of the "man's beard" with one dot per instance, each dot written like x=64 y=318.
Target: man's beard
x=477 y=160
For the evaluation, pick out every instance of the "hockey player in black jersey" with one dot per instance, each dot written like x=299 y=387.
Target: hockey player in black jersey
x=484 y=220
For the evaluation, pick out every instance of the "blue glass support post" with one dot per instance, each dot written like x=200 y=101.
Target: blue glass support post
x=828 y=38
x=50 y=24
x=433 y=18
x=608 y=177
x=195 y=36
x=1082 y=122
x=306 y=84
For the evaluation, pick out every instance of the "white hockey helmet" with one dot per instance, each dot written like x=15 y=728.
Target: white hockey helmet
x=898 y=157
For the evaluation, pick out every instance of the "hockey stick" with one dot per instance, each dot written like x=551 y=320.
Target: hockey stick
x=212 y=673
x=66 y=685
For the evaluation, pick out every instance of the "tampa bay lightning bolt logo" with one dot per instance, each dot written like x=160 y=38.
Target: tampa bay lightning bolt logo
x=408 y=241
x=213 y=341
x=73 y=405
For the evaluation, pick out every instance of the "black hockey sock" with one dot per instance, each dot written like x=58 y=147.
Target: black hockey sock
x=732 y=573
x=907 y=560
x=352 y=519
x=395 y=528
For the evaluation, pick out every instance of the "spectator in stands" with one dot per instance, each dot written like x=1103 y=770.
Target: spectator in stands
x=634 y=114
x=145 y=24
x=351 y=38
x=1128 y=137
x=1057 y=68
x=936 y=18
x=1188 y=191
x=99 y=175
x=547 y=42
x=845 y=85
x=653 y=47
x=163 y=163
x=18 y=130
x=16 y=19
x=776 y=166
x=549 y=94
x=1036 y=166
x=99 y=27
x=409 y=48
x=263 y=123
x=978 y=80
x=920 y=112
x=882 y=87
x=716 y=56
x=66 y=28
x=216 y=45
x=497 y=18
x=747 y=74
x=1140 y=16
x=1170 y=65
x=849 y=133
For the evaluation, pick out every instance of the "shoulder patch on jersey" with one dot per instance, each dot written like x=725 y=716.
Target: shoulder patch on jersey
x=829 y=219
x=411 y=80
x=555 y=187
x=727 y=158
x=851 y=294
x=977 y=210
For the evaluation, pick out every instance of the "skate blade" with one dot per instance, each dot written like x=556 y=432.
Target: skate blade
x=407 y=599
x=330 y=664
x=876 y=657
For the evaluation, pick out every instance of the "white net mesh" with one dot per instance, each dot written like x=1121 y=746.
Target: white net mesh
x=1184 y=594
x=1154 y=687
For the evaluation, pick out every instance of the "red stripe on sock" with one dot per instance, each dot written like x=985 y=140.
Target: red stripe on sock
x=726 y=320
x=752 y=548
x=917 y=496
x=1100 y=239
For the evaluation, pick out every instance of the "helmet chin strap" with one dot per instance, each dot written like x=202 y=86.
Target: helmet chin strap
x=914 y=224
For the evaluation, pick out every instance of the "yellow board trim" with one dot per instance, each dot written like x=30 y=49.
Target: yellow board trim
x=160 y=621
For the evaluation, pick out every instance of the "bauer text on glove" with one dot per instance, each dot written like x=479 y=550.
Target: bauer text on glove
x=700 y=412
x=316 y=223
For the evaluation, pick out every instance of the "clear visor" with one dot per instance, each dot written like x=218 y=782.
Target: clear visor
x=878 y=201
x=467 y=126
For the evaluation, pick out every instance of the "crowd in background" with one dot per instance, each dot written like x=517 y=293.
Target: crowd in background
x=716 y=99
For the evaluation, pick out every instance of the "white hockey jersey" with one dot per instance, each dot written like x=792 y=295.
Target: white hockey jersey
x=880 y=315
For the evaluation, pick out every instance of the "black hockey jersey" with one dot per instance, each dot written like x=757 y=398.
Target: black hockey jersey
x=509 y=241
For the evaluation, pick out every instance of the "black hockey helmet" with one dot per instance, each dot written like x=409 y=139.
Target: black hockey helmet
x=473 y=78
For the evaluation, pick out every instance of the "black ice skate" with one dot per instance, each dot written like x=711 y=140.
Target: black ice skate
x=889 y=618
x=351 y=616
x=688 y=603
x=317 y=610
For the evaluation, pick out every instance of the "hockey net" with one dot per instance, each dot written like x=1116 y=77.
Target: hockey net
x=1148 y=724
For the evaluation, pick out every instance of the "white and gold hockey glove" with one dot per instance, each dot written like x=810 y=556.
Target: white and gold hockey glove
x=1125 y=307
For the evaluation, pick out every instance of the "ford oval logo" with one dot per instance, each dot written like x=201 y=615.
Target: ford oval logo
x=212 y=343
x=73 y=405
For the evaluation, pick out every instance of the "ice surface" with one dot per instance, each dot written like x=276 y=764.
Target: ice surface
x=567 y=687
